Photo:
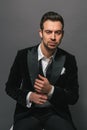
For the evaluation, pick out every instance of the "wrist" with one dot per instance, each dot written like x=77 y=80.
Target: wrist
x=51 y=90
x=28 y=102
x=30 y=98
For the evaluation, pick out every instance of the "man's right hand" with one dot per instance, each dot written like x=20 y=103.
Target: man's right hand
x=38 y=98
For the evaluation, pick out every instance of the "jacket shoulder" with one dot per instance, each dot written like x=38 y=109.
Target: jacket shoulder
x=25 y=50
x=70 y=58
x=64 y=52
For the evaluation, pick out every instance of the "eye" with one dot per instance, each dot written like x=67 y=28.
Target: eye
x=59 y=32
x=48 y=31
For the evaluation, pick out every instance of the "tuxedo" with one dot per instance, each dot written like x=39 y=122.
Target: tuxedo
x=64 y=78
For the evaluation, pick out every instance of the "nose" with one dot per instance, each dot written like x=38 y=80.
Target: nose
x=53 y=37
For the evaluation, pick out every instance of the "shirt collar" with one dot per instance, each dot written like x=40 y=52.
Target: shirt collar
x=41 y=55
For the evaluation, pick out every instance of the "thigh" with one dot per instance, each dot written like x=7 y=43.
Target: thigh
x=57 y=123
x=30 y=123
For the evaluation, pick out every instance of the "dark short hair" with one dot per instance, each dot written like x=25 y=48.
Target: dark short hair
x=53 y=16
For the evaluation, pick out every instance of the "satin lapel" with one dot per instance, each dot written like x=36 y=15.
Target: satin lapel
x=32 y=60
x=58 y=64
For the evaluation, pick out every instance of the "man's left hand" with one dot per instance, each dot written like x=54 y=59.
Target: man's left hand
x=42 y=85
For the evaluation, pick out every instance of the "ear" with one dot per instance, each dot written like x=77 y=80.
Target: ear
x=63 y=34
x=40 y=33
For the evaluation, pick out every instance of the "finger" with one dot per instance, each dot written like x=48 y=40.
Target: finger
x=44 y=97
x=37 y=87
x=39 y=81
x=38 y=84
x=38 y=91
x=41 y=77
x=42 y=101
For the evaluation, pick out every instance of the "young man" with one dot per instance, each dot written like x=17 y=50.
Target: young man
x=44 y=82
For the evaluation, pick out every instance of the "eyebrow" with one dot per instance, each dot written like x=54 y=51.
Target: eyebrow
x=59 y=31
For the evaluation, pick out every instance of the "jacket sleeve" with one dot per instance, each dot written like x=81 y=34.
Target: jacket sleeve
x=66 y=91
x=13 y=85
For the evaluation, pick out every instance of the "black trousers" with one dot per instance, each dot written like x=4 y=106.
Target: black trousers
x=43 y=118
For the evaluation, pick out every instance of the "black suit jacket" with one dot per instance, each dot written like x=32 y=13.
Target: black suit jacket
x=25 y=70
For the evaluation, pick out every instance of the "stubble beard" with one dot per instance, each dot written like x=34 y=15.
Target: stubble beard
x=49 y=49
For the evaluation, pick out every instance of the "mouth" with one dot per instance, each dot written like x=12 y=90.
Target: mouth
x=52 y=44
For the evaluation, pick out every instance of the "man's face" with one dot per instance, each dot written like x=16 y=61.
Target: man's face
x=51 y=34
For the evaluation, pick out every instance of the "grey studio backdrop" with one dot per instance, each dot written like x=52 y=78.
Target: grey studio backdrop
x=19 y=24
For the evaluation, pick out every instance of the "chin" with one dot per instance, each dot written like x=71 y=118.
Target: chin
x=52 y=48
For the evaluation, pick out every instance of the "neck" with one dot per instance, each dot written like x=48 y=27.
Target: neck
x=47 y=52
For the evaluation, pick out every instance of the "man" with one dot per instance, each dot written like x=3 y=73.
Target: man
x=44 y=82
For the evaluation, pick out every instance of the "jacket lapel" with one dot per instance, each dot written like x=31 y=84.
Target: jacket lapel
x=32 y=60
x=58 y=63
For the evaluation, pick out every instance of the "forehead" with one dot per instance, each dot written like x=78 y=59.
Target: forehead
x=52 y=25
